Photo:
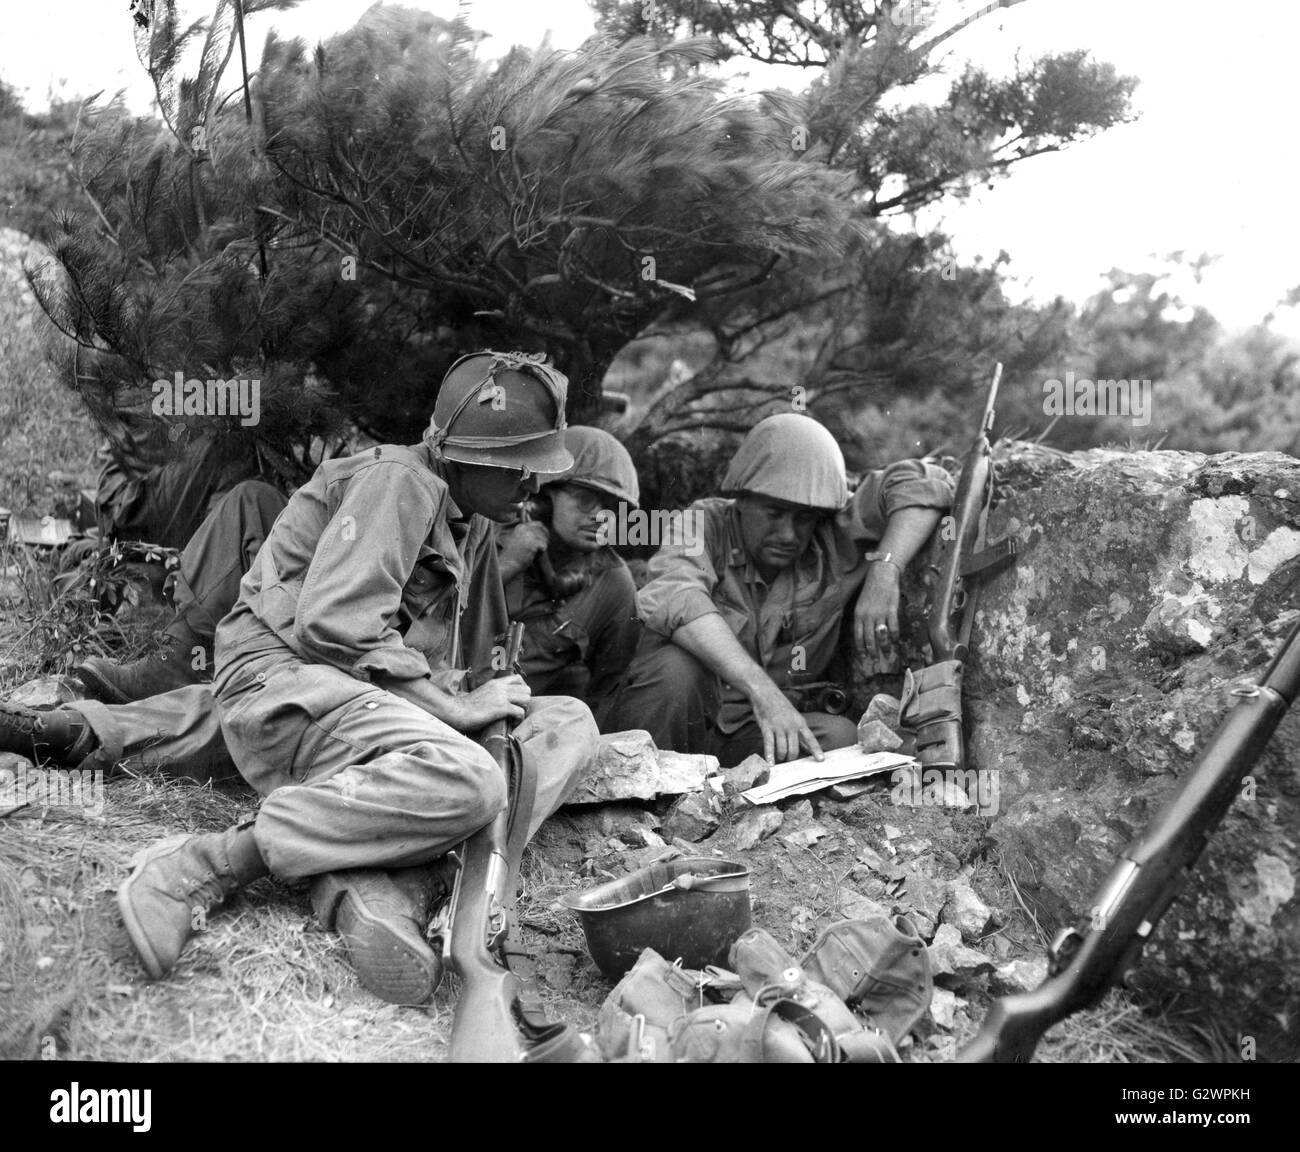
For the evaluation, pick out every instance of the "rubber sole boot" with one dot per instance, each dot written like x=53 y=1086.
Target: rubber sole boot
x=61 y=734
x=113 y=683
x=382 y=923
x=174 y=883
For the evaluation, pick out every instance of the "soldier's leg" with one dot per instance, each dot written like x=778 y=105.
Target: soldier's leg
x=177 y=733
x=353 y=776
x=219 y=554
x=556 y=738
x=667 y=692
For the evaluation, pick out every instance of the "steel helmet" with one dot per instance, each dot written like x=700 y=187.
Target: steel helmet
x=693 y=907
x=792 y=458
x=600 y=462
x=503 y=410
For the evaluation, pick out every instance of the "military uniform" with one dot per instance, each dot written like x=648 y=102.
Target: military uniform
x=791 y=625
x=578 y=645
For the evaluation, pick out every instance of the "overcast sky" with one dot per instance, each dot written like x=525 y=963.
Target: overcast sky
x=1208 y=167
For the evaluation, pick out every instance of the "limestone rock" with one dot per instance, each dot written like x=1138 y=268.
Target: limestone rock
x=949 y=957
x=855 y=906
x=48 y=692
x=755 y=824
x=943 y=1007
x=967 y=912
x=628 y=766
x=749 y=773
x=884 y=709
x=1018 y=976
x=874 y=736
x=692 y=817
x=1147 y=585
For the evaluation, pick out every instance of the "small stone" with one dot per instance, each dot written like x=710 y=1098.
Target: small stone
x=855 y=906
x=872 y=859
x=755 y=824
x=925 y=927
x=873 y=736
x=47 y=692
x=805 y=837
x=798 y=814
x=922 y=893
x=646 y=838
x=892 y=833
x=943 y=1007
x=967 y=911
x=684 y=772
x=883 y=708
x=1022 y=975
x=950 y=957
x=691 y=818
x=749 y=773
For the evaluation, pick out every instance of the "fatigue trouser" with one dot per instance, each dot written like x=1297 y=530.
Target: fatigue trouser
x=352 y=775
x=219 y=553
x=356 y=777
x=674 y=697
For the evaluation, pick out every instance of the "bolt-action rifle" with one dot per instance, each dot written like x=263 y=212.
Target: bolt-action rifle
x=932 y=697
x=498 y=1017
x=1107 y=944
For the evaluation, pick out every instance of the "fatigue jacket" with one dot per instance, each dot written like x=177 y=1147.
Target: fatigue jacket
x=578 y=646
x=793 y=624
x=372 y=569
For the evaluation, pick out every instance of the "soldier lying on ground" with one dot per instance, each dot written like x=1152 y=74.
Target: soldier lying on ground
x=749 y=595
x=337 y=691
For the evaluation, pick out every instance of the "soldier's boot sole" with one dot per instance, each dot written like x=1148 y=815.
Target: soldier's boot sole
x=392 y=959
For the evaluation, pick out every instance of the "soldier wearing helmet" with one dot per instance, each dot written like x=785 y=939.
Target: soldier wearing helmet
x=736 y=618
x=572 y=591
x=350 y=675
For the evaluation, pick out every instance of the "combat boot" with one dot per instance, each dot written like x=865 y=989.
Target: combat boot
x=381 y=916
x=114 y=683
x=61 y=734
x=176 y=882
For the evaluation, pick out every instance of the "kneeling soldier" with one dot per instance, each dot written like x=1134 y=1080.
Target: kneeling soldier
x=747 y=598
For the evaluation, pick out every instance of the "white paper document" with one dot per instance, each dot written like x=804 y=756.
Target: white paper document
x=806 y=775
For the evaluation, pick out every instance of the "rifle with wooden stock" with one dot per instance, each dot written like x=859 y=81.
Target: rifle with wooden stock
x=1104 y=948
x=931 y=702
x=498 y=1017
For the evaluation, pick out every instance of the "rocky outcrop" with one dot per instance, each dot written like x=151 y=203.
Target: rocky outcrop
x=1148 y=586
